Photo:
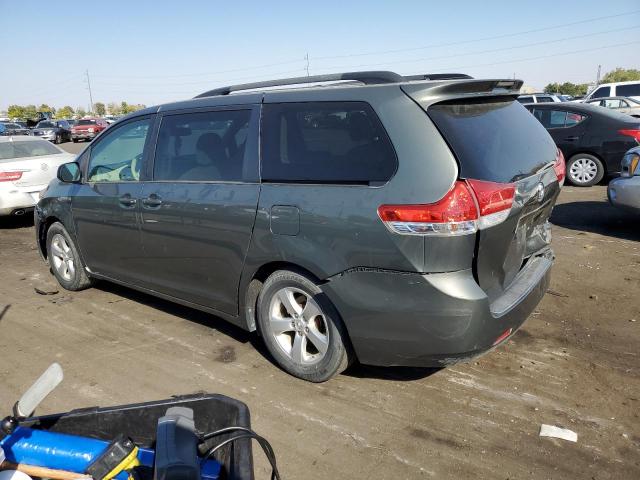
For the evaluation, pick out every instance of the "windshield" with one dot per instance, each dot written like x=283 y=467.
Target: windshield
x=495 y=139
x=46 y=125
x=86 y=122
x=11 y=150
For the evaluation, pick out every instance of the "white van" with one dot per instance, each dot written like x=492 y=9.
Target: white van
x=617 y=89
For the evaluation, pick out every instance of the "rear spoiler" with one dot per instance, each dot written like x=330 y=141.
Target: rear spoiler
x=427 y=93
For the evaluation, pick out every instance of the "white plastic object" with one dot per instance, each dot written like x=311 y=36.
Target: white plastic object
x=14 y=475
x=42 y=387
x=557 y=432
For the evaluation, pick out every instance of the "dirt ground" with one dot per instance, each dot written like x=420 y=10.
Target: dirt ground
x=575 y=364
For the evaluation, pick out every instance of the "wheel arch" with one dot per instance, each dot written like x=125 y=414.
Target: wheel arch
x=42 y=234
x=253 y=287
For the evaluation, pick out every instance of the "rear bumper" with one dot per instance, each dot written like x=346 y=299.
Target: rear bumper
x=14 y=200
x=432 y=320
x=624 y=192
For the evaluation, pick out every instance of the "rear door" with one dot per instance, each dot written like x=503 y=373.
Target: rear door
x=566 y=128
x=106 y=206
x=199 y=207
x=497 y=140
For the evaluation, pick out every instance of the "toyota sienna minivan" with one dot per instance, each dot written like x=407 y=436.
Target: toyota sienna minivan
x=366 y=217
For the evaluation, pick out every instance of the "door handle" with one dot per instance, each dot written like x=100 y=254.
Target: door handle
x=572 y=139
x=127 y=200
x=152 y=201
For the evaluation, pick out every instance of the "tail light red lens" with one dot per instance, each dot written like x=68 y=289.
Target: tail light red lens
x=470 y=205
x=10 y=176
x=635 y=133
x=560 y=167
x=455 y=214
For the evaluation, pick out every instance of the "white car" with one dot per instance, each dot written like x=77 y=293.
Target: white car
x=624 y=191
x=27 y=165
x=618 y=89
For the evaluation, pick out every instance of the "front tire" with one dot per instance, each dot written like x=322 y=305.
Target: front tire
x=64 y=259
x=58 y=139
x=584 y=170
x=301 y=328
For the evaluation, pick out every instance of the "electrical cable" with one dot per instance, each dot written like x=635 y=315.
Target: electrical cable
x=248 y=434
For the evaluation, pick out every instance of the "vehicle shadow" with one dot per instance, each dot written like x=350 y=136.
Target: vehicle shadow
x=15 y=221
x=186 y=313
x=398 y=374
x=597 y=217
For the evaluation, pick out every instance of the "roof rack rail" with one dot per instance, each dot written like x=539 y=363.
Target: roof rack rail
x=438 y=76
x=368 y=78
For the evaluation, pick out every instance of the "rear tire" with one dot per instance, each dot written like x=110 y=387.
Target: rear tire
x=75 y=140
x=584 y=170
x=301 y=328
x=58 y=139
x=65 y=260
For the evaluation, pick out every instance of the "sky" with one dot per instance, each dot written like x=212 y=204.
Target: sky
x=159 y=51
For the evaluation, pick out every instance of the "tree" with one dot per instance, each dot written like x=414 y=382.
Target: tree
x=81 y=112
x=16 y=111
x=64 y=112
x=30 y=111
x=114 y=109
x=567 y=88
x=621 y=75
x=99 y=108
x=46 y=108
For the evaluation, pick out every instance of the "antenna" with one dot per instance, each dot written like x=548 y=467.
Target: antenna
x=90 y=96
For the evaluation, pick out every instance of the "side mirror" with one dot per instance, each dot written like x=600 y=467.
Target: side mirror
x=69 y=172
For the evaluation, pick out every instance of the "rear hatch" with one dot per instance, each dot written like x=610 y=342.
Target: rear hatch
x=84 y=126
x=30 y=165
x=507 y=158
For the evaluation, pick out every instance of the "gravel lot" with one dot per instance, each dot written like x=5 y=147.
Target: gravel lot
x=575 y=364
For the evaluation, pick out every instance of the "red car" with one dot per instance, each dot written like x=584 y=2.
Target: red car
x=87 y=128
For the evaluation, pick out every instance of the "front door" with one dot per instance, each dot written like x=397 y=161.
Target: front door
x=106 y=207
x=198 y=211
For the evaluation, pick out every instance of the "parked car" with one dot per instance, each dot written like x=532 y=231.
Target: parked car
x=71 y=121
x=27 y=165
x=617 y=89
x=56 y=131
x=21 y=123
x=87 y=128
x=592 y=139
x=11 y=128
x=626 y=105
x=539 y=98
x=391 y=221
x=624 y=191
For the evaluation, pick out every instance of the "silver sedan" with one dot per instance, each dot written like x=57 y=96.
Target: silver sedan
x=624 y=191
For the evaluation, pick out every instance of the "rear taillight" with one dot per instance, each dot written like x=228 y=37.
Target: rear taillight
x=635 y=133
x=10 y=176
x=494 y=201
x=470 y=205
x=560 y=167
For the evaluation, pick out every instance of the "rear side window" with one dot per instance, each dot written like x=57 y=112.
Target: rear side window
x=525 y=99
x=601 y=92
x=494 y=139
x=202 y=147
x=551 y=118
x=325 y=142
x=632 y=90
x=545 y=100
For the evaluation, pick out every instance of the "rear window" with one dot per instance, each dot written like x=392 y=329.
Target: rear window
x=632 y=90
x=11 y=150
x=325 y=142
x=86 y=122
x=495 y=139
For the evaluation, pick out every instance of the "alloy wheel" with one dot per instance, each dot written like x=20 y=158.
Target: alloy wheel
x=62 y=257
x=298 y=325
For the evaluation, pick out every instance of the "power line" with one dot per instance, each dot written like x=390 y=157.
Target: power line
x=482 y=39
x=493 y=50
x=539 y=57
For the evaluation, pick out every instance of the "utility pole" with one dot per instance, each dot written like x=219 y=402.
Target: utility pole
x=90 y=96
x=306 y=57
x=598 y=76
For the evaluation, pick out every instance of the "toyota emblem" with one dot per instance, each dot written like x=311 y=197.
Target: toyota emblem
x=540 y=192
